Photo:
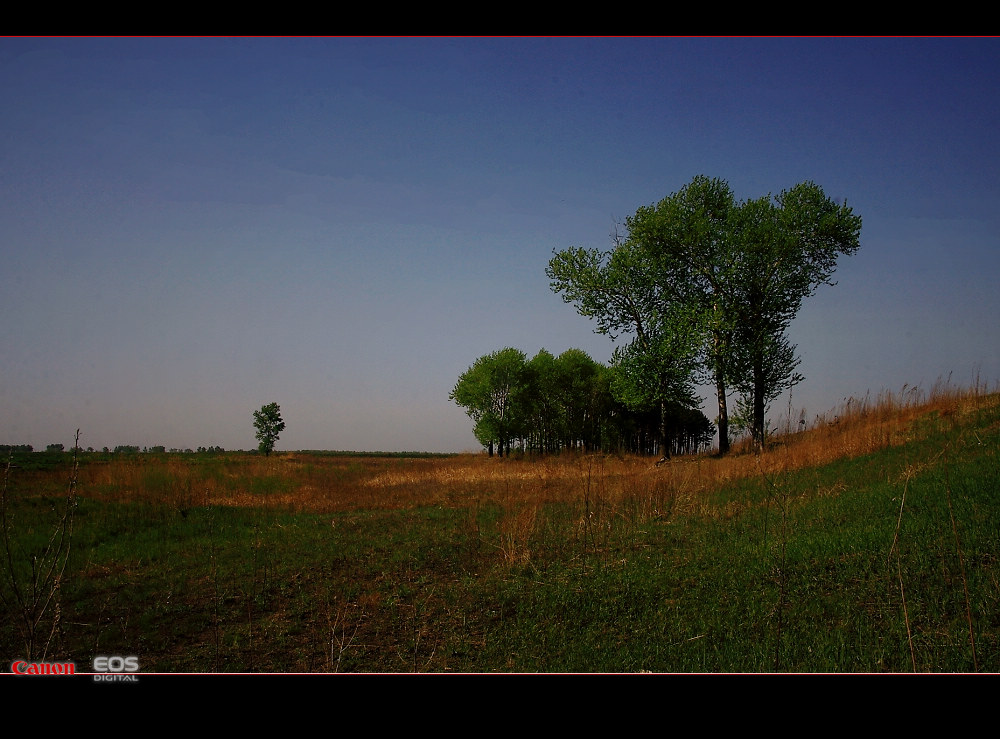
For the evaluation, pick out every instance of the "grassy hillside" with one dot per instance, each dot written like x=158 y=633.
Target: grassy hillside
x=866 y=543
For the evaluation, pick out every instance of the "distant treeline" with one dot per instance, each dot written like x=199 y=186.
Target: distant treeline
x=548 y=404
x=7 y=449
x=120 y=449
x=15 y=448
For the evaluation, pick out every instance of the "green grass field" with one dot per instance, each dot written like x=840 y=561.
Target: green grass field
x=869 y=545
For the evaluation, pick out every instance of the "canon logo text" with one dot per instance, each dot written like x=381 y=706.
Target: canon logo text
x=43 y=668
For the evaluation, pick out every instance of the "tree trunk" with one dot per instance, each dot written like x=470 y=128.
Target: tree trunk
x=720 y=390
x=757 y=430
x=664 y=443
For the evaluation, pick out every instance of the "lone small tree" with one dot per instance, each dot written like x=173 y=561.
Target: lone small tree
x=268 y=423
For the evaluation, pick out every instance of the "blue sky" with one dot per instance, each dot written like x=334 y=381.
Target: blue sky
x=192 y=228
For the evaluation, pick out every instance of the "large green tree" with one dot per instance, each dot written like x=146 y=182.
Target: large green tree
x=686 y=237
x=548 y=419
x=495 y=393
x=729 y=276
x=620 y=291
x=789 y=245
x=584 y=397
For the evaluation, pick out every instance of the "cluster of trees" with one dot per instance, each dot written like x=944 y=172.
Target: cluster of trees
x=6 y=449
x=551 y=403
x=705 y=287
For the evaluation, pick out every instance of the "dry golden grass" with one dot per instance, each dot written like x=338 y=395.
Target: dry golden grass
x=327 y=483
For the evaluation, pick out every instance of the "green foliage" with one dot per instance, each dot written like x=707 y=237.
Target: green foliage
x=269 y=425
x=494 y=392
x=686 y=239
x=789 y=245
x=551 y=403
x=656 y=371
x=624 y=293
x=583 y=397
x=699 y=272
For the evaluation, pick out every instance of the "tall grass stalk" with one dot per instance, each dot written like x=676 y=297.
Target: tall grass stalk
x=899 y=568
x=340 y=642
x=36 y=577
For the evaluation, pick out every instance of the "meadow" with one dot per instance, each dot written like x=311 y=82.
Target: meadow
x=866 y=542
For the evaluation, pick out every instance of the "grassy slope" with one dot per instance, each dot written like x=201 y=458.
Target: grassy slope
x=866 y=545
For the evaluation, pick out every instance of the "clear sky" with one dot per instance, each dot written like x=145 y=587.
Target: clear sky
x=192 y=228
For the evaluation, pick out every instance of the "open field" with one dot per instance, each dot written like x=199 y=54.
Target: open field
x=867 y=543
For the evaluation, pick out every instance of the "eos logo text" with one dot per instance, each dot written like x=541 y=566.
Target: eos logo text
x=116 y=669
